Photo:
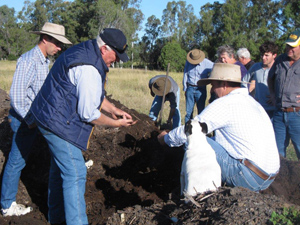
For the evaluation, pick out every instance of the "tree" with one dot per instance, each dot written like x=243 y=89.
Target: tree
x=172 y=53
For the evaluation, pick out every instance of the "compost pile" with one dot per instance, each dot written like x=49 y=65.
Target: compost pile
x=134 y=180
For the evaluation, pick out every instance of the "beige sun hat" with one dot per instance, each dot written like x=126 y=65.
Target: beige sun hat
x=223 y=72
x=54 y=30
x=159 y=85
x=195 y=56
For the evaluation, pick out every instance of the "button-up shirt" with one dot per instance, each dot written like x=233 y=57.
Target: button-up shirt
x=193 y=73
x=31 y=71
x=284 y=82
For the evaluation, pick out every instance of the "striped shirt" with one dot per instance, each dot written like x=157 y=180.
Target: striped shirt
x=242 y=128
x=31 y=71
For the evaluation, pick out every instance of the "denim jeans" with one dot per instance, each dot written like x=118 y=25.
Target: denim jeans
x=22 y=141
x=194 y=95
x=156 y=107
x=67 y=178
x=287 y=127
x=235 y=173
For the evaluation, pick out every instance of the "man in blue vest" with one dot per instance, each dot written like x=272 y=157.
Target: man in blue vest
x=66 y=109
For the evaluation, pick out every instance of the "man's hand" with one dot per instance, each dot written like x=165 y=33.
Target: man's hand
x=161 y=136
x=126 y=122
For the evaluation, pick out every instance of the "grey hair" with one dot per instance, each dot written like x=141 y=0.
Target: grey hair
x=226 y=49
x=243 y=53
x=101 y=43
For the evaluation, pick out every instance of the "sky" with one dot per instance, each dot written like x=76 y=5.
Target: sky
x=148 y=7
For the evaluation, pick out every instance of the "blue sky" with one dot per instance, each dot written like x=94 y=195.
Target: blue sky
x=148 y=7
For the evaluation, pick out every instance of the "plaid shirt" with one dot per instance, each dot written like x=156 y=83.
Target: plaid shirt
x=31 y=72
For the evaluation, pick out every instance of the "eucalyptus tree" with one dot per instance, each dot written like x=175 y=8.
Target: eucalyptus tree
x=8 y=27
x=176 y=19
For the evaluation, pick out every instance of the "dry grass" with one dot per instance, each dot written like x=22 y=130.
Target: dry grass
x=7 y=69
x=128 y=86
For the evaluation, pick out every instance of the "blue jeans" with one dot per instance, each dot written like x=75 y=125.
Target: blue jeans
x=287 y=127
x=235 y=173
x=194 y=95
x=67 y=178
x=22 y=141
x=156 y=106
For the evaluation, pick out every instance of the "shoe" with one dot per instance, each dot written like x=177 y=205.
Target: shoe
x=16 y=210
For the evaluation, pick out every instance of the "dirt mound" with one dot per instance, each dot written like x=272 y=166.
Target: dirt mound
x=134 y=180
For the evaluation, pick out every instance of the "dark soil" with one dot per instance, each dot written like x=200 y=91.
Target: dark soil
x=134 y=180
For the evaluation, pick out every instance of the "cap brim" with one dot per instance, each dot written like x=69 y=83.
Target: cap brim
x=293 y=44
x=60 y=38
x=121 y=55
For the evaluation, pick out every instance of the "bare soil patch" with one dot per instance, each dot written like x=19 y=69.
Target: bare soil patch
x=134 y=180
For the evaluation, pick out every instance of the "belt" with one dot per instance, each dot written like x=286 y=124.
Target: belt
x=192 y=85
x=290 y=109
x=256 y=170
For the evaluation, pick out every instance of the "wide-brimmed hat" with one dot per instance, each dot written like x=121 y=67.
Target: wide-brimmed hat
x=159 y=85
x=54 y=30
x=115 y=39
x=223 y=72
x=195 y=56
x=294 y=39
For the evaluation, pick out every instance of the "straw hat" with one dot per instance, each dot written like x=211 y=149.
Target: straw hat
x=195 y=56
x=223 y=72
x=54 y=30
x=159 y=85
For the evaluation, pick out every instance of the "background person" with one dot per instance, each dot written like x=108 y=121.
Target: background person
x=258 y=76
x=244 y=139
x=244 y=57
x=67 y=108
x=196 y=67
x=31 y=71
x=157 y=85
x=283 y=82
x=226 y=54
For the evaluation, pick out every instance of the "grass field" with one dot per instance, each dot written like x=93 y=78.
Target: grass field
x=128 y=86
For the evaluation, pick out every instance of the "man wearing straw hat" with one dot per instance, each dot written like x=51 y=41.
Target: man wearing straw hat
x=172 y=94
x=196 y=67
x=244 y=139
x=31 y=71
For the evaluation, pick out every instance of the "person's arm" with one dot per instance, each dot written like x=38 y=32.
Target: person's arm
x=252 y=87
x=88 y=84
x=184 y=80
x=271 y=83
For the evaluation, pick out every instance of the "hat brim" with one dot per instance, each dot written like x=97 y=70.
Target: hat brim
x=206 y=81
x=293 y=44
x=121 y=55
x=160 y=92
x=193 y=61
x=60 y=38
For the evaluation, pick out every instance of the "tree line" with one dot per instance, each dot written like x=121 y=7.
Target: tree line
x=238 y=23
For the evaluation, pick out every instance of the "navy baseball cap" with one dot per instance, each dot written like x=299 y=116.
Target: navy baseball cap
x=115 y=39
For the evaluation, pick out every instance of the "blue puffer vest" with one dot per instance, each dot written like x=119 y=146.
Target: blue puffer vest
x=55 y=106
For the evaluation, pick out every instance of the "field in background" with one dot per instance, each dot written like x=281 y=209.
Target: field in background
x=128 y=86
